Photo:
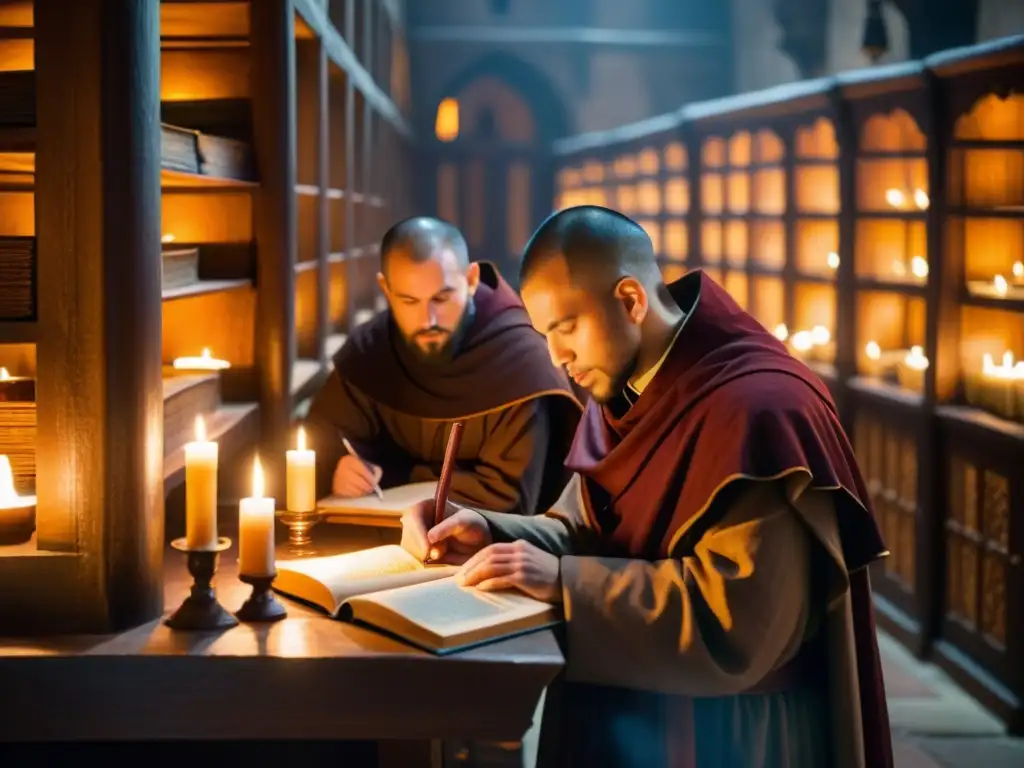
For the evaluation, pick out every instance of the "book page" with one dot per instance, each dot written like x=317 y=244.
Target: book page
x=354 y=573
x=396 y=500
x=443 y=614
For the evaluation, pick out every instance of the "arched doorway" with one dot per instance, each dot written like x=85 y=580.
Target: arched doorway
x=490 y=162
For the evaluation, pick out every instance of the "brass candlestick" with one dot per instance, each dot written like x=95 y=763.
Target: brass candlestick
x=261 y=606
x=200 y=610
x=300 y=525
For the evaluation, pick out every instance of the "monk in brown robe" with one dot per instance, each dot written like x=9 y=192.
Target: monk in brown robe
x=454 y=345
x=711 y=552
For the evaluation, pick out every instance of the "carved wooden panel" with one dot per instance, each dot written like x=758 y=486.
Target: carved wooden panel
x=977 y=549
x=888 y=459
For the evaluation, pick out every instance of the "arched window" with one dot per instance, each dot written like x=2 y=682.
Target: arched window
x=446 y=125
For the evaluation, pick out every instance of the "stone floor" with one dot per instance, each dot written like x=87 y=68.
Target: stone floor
x=935 y=724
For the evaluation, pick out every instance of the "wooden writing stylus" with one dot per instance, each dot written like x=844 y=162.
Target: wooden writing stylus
x=445 y=481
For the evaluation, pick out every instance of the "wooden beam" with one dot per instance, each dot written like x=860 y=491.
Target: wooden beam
x=592 y=36
x=339 y=52
x=323 y=225
x=274 y=119
x=100 y=446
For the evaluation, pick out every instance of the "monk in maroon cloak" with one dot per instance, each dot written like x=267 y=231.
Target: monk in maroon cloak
x=454 y=345
x=711 y=552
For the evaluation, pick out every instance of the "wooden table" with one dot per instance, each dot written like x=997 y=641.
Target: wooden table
x=305 y=678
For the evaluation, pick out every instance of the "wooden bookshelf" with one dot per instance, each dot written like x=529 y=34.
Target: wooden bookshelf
x=257 y=269
x=887 y=206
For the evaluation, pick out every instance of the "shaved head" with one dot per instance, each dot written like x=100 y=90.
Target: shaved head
x=591 y=283
x=428 y=280
x=422 y=238
x=596 y=244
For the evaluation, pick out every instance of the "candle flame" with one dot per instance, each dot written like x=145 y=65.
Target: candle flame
x=9 y=497
x=916 y=359
x=1000 y=285
x=200 y=430
x=921 y=199
x=4 y=375
x=168 y=238
x=802 y=341
x=895 y=198
x=820 y=335
x=257 y=479
x=833 y=260
x=872 y=350
x=7 y=493
x=919 y=267
x=781 y=332
x=1007 y=369
x=300 y=441
x=1018 y=269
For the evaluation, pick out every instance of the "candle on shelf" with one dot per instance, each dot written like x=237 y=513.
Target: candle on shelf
x=1018 y=272
x=17 y=513
x=911 y=369
x=205 y=362
x=873 y=355
x=256 y=529
x=996 y=387
x=16 y=389
x=781 y=332
x=801 y=342
x=832 y=260
x=168 y=238
x=822 y=348
x=921 y=199
x=895 y=197
x=201 y=491
x=301 y=476
x=919 y=267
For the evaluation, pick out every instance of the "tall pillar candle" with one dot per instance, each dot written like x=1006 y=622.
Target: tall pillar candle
x=201 y=491
x=301 y=477
x=256 y=530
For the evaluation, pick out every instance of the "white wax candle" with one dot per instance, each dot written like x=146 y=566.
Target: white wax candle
x=301 y=477
x=256 y=530
x=201 y=491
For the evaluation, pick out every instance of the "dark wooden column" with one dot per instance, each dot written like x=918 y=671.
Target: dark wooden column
x=273 y=113
x=323 y=214
x=100 y=445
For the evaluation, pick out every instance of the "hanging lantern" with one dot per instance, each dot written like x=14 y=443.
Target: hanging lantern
x=876 y=38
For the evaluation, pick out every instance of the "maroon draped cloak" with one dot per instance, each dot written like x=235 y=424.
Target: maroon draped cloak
x=729 y=404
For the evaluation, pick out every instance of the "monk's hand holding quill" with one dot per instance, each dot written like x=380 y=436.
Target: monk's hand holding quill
x=453 y=541
x=515 y=565
x=354 y=477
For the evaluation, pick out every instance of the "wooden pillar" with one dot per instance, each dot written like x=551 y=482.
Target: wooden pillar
x=273 y=116
x=100 y=400
x=323 y=214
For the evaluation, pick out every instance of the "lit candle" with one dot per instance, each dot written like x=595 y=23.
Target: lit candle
x=832 y=260
x=1000 y=286
x=996 y=389
x=911 y=369
x=1018 y=272
x=256 y=529
x=205 y=362
x=802 y=342
x=781 y=332
x=895 y=197
x=16 y=512
x=168 y=238
x=921 y=199
x=201 y=491
x=873 y=353
x=16 y=389
x=301 y=476
x=919 y=267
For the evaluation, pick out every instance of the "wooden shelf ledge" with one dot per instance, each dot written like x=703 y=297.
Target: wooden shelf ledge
x=885 y=391
x=203 y=287
x=307 y=378
x=982 y=424
x=18 y=331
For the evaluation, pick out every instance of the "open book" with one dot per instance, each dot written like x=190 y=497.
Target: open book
x=369 y=510
x=390 y=590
